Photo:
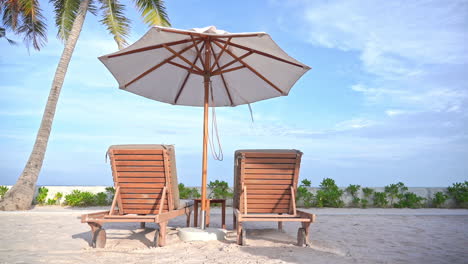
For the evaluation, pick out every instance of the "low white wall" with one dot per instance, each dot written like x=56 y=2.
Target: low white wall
x=426 y=192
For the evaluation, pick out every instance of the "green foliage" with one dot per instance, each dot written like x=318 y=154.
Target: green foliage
x=3 y=190
x=439 y=199
x=111 y=192
x=353 y=190
x=306 y=183
x=329 y=194
x=101 y=199
x=459 y=192
x=41 y=195
x=56 y=200
x=367 y=196
x=304 y=195
x=410 y=200
x=219 y=190
x=395 y=191
x=79 y=198
x=188 y=193
x=364 y=203
x=367 y=192
x=380 y=199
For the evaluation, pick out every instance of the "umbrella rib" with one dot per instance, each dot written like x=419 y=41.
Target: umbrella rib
x=182 y=58
x=219 y=70
x=157 y=66
x=152 y=47
x=187 y=76
x=219 y=55
x=198 y=50
x=263 y=54
x=253 y=70
x=222 y=76
x=228 y=70
x=191 y=70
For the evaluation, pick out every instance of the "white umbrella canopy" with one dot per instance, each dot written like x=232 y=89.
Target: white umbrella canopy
x=250 y=68
x=204 y=67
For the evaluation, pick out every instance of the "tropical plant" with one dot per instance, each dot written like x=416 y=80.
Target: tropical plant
x=110 y=192
x=303 y=194
x=380 y=199
x=367 y=195
x=101 y=199
x=69 y=18
x=55 y=200
x=410 y=200
x=353 y=190
x=187 y=192
x=41 y=195
x=459 y=192
x=24 y=18
x=395 y=191
x=79 y=198
x=3 y=190
x=329 y=194
x=439 y=199
x=219 y=190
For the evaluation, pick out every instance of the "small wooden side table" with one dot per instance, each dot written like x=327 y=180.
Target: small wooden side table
x=210 y=201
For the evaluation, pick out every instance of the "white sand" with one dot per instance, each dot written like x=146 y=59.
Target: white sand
x=55 y=235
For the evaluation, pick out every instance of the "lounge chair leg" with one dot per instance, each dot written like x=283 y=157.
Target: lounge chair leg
x=189 y=213
x=142 y=225
x=234 y=221
x=306 y=227
x=280 y=225
x=162 y=234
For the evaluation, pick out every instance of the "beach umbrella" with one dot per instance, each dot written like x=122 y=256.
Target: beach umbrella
x=204 y=67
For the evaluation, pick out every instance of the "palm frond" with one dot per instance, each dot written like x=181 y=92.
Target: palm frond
x=3 y=35
x=24 y=17
x=65 y=14
x=115 y=21
x=11 y=12
x=153 y=12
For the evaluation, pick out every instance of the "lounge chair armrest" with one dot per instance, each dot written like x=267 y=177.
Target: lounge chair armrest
x=306 y=215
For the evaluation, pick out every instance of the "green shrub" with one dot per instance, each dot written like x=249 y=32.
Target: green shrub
x=41 y=195
x=353 y=190
x=111 y=192
x=101 y=199
x=439 y=199
x=459 y=192
x=56 y=200
x=188 y=193
x=329 y=194
x=79 y=198
x=304 y=195
x=219 y=190
x=367 y=196
x=3 y=190
x=410 y=200
x=395 y=191
x=380 y=199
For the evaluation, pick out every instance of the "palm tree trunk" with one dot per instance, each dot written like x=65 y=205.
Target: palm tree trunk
x=20 y=196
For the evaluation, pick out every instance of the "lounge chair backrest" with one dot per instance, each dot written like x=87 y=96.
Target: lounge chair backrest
x=142 y=173
x=269 y=177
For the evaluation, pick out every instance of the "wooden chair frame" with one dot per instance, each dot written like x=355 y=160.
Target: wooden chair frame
x=117 y=214
x=241 y=213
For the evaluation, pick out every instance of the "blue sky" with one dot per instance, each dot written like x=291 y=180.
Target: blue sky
x=386 y=99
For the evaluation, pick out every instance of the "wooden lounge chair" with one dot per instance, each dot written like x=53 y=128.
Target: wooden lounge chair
x=146 y=191
x=265 y=183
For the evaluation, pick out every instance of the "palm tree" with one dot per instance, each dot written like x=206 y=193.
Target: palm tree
x=69 y=18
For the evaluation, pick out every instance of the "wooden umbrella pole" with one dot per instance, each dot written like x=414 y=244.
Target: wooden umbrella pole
x=206 y=80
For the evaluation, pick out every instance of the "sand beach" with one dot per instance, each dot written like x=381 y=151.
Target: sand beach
x=55 y=235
